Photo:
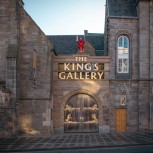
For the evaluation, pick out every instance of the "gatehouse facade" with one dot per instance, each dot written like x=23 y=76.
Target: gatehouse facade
x=81 y=98
x=93 y=82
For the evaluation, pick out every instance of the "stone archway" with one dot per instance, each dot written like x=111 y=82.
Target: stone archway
x=81 y=112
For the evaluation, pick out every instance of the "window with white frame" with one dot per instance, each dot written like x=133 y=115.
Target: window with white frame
x=123 y=55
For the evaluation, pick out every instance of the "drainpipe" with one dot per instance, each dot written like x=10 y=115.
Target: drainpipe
x=19 y=6
x=149 y=116
x=51 y=93
x=138 y=103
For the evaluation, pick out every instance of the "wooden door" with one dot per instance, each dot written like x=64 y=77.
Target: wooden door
x=81 y=114
x=120 y=120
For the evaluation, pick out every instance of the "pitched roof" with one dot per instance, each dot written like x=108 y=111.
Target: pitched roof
x=124 y=8
x=66 y=44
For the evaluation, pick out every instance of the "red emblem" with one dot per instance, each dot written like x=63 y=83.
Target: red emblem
x=81 y=45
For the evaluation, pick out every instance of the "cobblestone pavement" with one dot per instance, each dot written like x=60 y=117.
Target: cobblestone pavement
x=71 y=141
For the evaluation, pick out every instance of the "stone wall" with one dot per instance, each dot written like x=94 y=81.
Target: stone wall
x=117 y=27
x=34 y=87
x=131 y=89
x=145 y=65
x=9 y=39
x=151 y=39
x=35 y=117
x=144 y=101
x=8 y=31
x=139 y=100
x=151 y=106
x=64 y=89
x=151 y=65
x=144 y=41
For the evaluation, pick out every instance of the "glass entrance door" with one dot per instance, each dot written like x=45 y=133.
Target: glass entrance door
x=81 y=114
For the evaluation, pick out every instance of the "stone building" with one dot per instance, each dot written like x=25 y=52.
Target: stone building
x=25 y=61
x=129 y=42
x=49 y=84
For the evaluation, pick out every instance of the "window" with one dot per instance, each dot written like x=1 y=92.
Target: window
x=123 y=55
x=34 y=59
x=34 y=67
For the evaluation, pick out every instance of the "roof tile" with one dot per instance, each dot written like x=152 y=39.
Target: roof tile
x=122 y=8
x=66 y=44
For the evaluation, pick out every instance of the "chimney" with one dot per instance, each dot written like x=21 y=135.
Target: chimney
x=85 y=31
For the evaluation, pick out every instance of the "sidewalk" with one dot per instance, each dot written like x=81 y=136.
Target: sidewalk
x=81 y=140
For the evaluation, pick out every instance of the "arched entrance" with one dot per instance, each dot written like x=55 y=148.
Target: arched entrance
x=81 y=114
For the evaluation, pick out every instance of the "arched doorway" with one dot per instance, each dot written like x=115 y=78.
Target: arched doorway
x=81 y=114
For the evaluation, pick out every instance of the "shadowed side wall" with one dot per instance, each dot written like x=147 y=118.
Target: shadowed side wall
x=35 y=102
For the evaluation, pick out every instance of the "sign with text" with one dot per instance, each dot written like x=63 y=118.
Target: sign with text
x=81 y=70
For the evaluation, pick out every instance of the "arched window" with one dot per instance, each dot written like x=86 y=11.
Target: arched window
x=123 y=55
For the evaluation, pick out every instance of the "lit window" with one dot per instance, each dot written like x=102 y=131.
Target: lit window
x=123 y=55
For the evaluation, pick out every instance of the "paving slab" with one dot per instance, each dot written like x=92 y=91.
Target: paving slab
x=72 y=141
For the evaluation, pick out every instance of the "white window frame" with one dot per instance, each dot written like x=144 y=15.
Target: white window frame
x=123 y=55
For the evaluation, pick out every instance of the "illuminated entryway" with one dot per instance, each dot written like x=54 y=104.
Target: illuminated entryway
x=81 y=114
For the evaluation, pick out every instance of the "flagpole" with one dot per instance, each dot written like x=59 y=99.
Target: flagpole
x=77 y=38
x=84 y=36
